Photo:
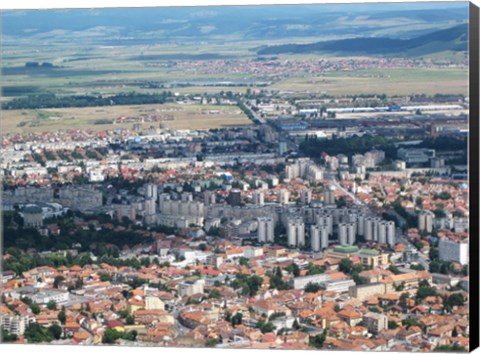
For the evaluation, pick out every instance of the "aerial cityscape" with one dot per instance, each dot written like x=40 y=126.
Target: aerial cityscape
x=268 y=177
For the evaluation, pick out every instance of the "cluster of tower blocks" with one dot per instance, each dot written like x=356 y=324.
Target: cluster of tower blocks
x=341 y=226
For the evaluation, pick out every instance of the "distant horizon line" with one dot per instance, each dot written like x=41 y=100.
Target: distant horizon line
x=67 y=5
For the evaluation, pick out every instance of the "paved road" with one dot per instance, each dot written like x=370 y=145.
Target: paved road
x=257 y=117
x=181 y=329
x=329 y=176
x=422 y=259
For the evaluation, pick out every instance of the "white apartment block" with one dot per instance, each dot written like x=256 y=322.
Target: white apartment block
x=266 y=228
x=296 y=232
x=425 y=221
x=453 y=251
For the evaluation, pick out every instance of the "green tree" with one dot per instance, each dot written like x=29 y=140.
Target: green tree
x=215 y=294
x=455 y=300
x=52 y=305
x=314 y=269
x=62 y=317
x=450 y=348
x=237 y=319
x=211 y=342
x=35 y=333
x=425 y=290
x=317 y=341
x=8 y=337
x=312 y=288
x=105 y=277
x=130 y=335
x=392 y=325
x=345 y=265
x=57 y=280
x=276 y=281
x=265 y=327
x=409 y=322
x=419 y=201
x=403 y=299
x=341 y=202
x=294 y=269
x=55 y=330
x=111 y=336
x=243 y=261
x=35 y=309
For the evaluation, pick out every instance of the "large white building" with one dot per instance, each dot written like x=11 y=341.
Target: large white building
x=325 y=220
x=375 y=322
x=304 y=168
x=425 y=221
x=45 y=296
x=296 y=232
x=453 y=251
x=361 y=224
x=209 y=197
x=258 y=198
x=252 y=252
x=339 y=286
x=382 y=232
x=81 y=198
x=32 y=216
x=15 y=324
x=347 y=233
x=414 y=156
x=266 y=228
x=371 y=228
x=283 y=196
x=151 y=191
x=306 y=196
x=378 y=230
x=318 y=237
x=329 y=195
x=391 y=233
x=190 y=288
x=301 y=282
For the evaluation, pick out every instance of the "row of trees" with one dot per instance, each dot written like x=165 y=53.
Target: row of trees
x=247 y=112
x=111 y=336
x=21 y=261
x=314 y=147
x=24 y=239
x=35 y=333
x=54 y=101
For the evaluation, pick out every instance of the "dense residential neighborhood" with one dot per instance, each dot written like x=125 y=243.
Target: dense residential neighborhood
x=260 y=176
x=237 y=238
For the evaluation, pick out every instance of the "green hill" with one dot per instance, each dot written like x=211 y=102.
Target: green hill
x=454 y=39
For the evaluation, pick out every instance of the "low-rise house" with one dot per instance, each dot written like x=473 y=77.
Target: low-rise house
x=350 y=316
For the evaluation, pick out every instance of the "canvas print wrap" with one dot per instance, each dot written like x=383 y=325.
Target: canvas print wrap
x=269 y=177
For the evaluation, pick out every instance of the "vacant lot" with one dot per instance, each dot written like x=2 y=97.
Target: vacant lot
x=388 y=81
x=177 y=116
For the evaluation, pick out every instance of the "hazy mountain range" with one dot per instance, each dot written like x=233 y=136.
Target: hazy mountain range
x=455 y=39
x=402 y=26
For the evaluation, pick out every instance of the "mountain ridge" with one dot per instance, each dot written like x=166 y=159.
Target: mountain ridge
x=454 y=38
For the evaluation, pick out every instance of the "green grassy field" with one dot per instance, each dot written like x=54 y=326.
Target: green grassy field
x=390 y=82
x=103 y=70
x=178 y=116
x=107 y=70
